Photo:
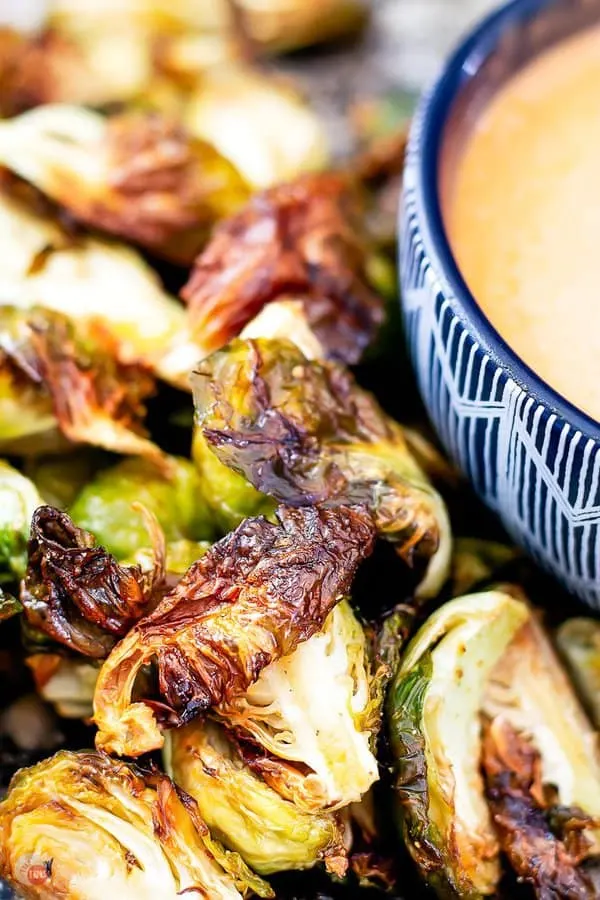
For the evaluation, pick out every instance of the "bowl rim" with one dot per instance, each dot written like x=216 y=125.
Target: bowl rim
x=432 y=115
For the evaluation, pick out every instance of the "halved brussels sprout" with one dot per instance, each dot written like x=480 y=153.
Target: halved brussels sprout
x=68 y=684
x=56 y=382
x=19 y=499
x=134 y=175
x=579 y=644
x=171 y=491
x=433 y=714
x=103 y=286
x=303 y=432
x=258 y=122
x=243 y=811
x=305 y=241
x=255 y=595
x=83 y=826
x=315 y=714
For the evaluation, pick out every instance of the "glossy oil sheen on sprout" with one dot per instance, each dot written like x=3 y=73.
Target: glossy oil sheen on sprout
x=524 y=217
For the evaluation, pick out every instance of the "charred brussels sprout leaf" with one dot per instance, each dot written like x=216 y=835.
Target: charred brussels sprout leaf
x=140 y=177
x=303 y=432
x=255 y=595
x=303 y=241
x=18 y=501
x=433 y=715
x=314 y=716
x=61 y=382
x=243 y=811
x=579 y=644
x=172 y=492
x=94 y=827
x=75 y=592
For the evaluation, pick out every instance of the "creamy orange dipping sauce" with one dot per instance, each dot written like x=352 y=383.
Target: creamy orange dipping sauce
x=524 y=217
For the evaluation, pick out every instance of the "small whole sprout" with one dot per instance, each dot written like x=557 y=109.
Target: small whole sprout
x=19 y=499
x=81 y=823
x=171 y=491
x=137 y=176
x=251 y=599
x=246 y=813
x=257 y=121
x=303 y=432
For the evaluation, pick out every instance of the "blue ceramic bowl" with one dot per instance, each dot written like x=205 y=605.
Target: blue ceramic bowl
x=532 y=456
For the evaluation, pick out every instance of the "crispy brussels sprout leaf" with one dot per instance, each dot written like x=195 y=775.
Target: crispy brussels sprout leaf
x=230 y=498
x=258 y=122
x=75 y=385
x=76 y=593
x=530 y=690
x=433 y=717
x=68 y=684
x=138 y=176
x=172 y=492
x=319 y=709
x=99 y=827
x=304 y=432
x=243 y=811
x=18 y=501
x=545 y=845
x=300 y=240
x=256 y=595
x=579 y=644
x=92 y=282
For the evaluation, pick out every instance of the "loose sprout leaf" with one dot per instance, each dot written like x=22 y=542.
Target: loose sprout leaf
x=303 y=432
x=251 y=599
x=545 y=846
x=243 y=811
x=92 y=398
x=303 y=241
x=314 y=715
x=97 y=824
x=75 y=592
x=138 y=176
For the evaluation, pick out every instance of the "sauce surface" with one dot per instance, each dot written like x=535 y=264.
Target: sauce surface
x=524 y=217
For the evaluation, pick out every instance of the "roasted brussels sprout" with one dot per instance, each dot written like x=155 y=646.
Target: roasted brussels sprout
x=303 y=241
x=475 y=561
x=285 y=320
x=59 y=479
x=304 y=432
x=246 y=813
x=68 y=684
x=134 y=175
x=56 y=382
x=81 y=826
x=433 y=716
x=76 y=593
x=579 y=644
x=258 y=122
x=315 y=715
x=281 y=25
x=94 y=283
x=19 y=499
x=171 y=491
x=255 y=595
